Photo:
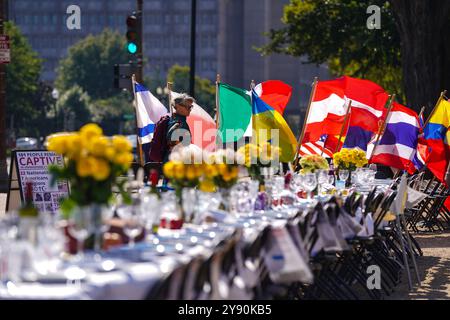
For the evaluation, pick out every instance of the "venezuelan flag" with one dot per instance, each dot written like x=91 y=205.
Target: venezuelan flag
x=437 y=136
x=266 y=119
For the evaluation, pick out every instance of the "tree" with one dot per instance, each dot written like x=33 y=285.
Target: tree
x=425 y=45
x=73 y=108
x=335 y=32
x=204 y=88
x=115 y=114
x=22 y=85
x=90 y=62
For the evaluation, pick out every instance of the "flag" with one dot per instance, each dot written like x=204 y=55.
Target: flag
x=398 y=146
x=275 y=93
x=148 y=112
x=235 y=113
x=202 y=126
x=319 y=147
x=267 y=118
x=329 y=106
x=437 y=138
x=422 y=148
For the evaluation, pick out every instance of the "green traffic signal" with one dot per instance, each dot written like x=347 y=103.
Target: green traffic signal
x=132 y=48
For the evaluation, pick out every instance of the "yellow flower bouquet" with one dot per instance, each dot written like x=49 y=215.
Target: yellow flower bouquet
x=93 y=162
x=255 y=157
x=350 y=159
x=311 y=163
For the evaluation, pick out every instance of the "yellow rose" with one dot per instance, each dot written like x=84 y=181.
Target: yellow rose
x=85 y=166
x=90 y=130
x=227 y=177
x=207 y=186
x=168 y=169
x=98 y=146
x=210 y=171
x=74 y=145
x=121 y=144
x=102 y=169
x=179 y=170
x=123 y=159
x=190 y=172
x=110 y=153
x=58 y=144
x=222 y=168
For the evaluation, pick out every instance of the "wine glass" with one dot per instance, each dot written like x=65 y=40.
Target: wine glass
x=150 y=208
x=309 y=182
x=80 y=227
x=133 y=222
x=297 y=186
x=323 y=180
x=189 y=201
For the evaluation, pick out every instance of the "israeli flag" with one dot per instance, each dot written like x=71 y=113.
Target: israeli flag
x=148 y=112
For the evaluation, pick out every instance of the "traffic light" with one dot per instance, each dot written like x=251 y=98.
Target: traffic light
x=134 y=25
x=123 y=74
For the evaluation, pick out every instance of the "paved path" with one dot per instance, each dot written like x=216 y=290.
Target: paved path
x=434 y=269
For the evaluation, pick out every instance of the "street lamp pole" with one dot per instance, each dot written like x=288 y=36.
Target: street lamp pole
x=3 y=165
x=192 y=62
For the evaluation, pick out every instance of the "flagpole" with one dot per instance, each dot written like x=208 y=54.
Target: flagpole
x=434 y=109
x=299 y=143
x=139 y=146
x=421 y=112
x=383 y=126
x=218 y=105
x=343 y=125
x=169 y=90
x=252 y=86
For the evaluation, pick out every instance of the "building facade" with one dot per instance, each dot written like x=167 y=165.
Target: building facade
x=241 y=28
x=166 y=27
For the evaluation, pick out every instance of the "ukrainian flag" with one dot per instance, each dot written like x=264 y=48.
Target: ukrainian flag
x=265 y=120
x=437 y=136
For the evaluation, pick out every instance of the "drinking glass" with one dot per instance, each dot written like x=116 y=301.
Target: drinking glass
x=323 y=180
x=150 y=209
x=80 y=227
x=309 y=182
x=189 y=201
x=133 y=221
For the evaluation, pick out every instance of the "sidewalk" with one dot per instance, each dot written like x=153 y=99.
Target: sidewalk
x=433 y=268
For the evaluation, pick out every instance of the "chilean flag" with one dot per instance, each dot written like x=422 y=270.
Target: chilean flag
x=329 y=106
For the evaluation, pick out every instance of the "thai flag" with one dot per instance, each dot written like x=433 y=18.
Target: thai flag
x=397 y=147
x=148 y=112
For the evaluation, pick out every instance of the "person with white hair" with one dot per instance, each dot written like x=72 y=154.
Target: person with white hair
x=178 y=129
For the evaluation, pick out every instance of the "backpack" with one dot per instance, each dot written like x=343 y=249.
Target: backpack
x=158 y=147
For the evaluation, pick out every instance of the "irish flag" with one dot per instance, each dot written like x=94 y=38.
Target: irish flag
x=235 y=113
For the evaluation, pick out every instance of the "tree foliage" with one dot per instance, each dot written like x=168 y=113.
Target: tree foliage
x=90 y=62
x=335 y=32
x=23 y=88
x=73 y=108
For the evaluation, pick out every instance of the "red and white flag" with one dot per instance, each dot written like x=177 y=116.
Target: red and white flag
x=330 y=102
x=202 y=125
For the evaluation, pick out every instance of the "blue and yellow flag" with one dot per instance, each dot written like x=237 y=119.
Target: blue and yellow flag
x=265 y=120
